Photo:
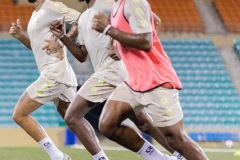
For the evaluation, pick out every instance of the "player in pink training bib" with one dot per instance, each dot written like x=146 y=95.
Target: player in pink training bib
x=151 y=83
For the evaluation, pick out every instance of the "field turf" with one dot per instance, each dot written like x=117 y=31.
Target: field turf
x=79 y=154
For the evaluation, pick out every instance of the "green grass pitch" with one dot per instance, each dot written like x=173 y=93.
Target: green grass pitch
x=79 y=154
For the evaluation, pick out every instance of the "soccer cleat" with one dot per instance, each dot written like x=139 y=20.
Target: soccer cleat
x=173 y=158
x=167 y=157
x=66 y=157
x=237 y=153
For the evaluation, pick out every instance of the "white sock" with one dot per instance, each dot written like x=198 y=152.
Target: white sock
x=51 y=149
x=179 y=156
x=100 y=156
x=149 y=152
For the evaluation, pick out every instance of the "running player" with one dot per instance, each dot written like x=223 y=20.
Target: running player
x=57 y=81
x=152 y=81
x=101 y=84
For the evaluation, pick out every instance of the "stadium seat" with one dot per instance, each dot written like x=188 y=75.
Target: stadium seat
x=18 y=70
x=237 y=46
x=178 y=16
x=9 y=13
x=229 y=13
x=208 y=96
x=214 y=136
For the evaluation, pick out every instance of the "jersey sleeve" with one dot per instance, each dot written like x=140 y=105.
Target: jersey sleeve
x=57 y=10
x=80 y=39
x=138 y=14
x=104 y=6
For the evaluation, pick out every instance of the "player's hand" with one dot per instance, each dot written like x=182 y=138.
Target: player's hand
x=57 y=27
x=157 y=23
x=113 y=51
x=100 y=22
x=52 y=46
x=15 y=29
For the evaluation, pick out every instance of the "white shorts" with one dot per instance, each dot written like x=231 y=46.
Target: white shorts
x=163 y=104
x=46 y=90
x=96 y=90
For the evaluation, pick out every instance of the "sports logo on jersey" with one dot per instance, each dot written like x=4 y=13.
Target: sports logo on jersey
x=47 y=145
x=102 y=158
x=150 y=150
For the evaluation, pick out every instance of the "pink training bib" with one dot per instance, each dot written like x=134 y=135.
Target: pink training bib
x=146 y=70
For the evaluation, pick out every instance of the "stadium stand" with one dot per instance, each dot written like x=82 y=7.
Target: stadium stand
x=208 y=98
x=214 y=136
x=178 y=16
x=10 y=12
x=18 y=70
x=229 y=12
x=237 y=46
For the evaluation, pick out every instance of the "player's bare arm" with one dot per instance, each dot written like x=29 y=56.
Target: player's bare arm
x=73 y=31
x=114 y=53
x=113 y=50
x=141 y=41
x=157 y=22
x=16 y=31
x=54 y=46
x=79 y=52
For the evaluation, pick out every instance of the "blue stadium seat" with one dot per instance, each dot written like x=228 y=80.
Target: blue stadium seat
x=18 y=70
x=237 y=46
x=214 y=136
x=208 y=96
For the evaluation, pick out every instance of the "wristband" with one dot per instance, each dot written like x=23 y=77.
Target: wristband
x=107 y=29
x=62 y=36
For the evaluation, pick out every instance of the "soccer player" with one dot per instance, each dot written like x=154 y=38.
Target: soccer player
x=152 y=81
x=57 y=81
x=101 y=84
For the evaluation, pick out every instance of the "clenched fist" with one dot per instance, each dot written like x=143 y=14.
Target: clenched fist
x=16 y=29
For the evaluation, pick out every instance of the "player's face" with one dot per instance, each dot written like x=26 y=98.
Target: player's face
x=32 y=1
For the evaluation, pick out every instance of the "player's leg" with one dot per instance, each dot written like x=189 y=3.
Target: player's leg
x=63 y=101
x=90 y=94
x=178 y=139
x=113 y=114
x=80 y=126
x=115 y=111
x=166 y=112
x=62 y=107
x=38 y=93
x=144 y=123
x=21 y=115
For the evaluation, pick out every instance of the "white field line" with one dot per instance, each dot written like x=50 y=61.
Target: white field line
x=214 y=150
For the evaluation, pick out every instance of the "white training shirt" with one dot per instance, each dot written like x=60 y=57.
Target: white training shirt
x=38 y=30
x=96 y=43
x=138 y=14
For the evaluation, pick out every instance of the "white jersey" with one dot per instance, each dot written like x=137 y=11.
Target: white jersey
x=96 y=43
x=137 y=14
x=49 y=65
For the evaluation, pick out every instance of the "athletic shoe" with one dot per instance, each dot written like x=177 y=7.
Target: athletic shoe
x=173 y=158
x=167 y=157
x=66 y=157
